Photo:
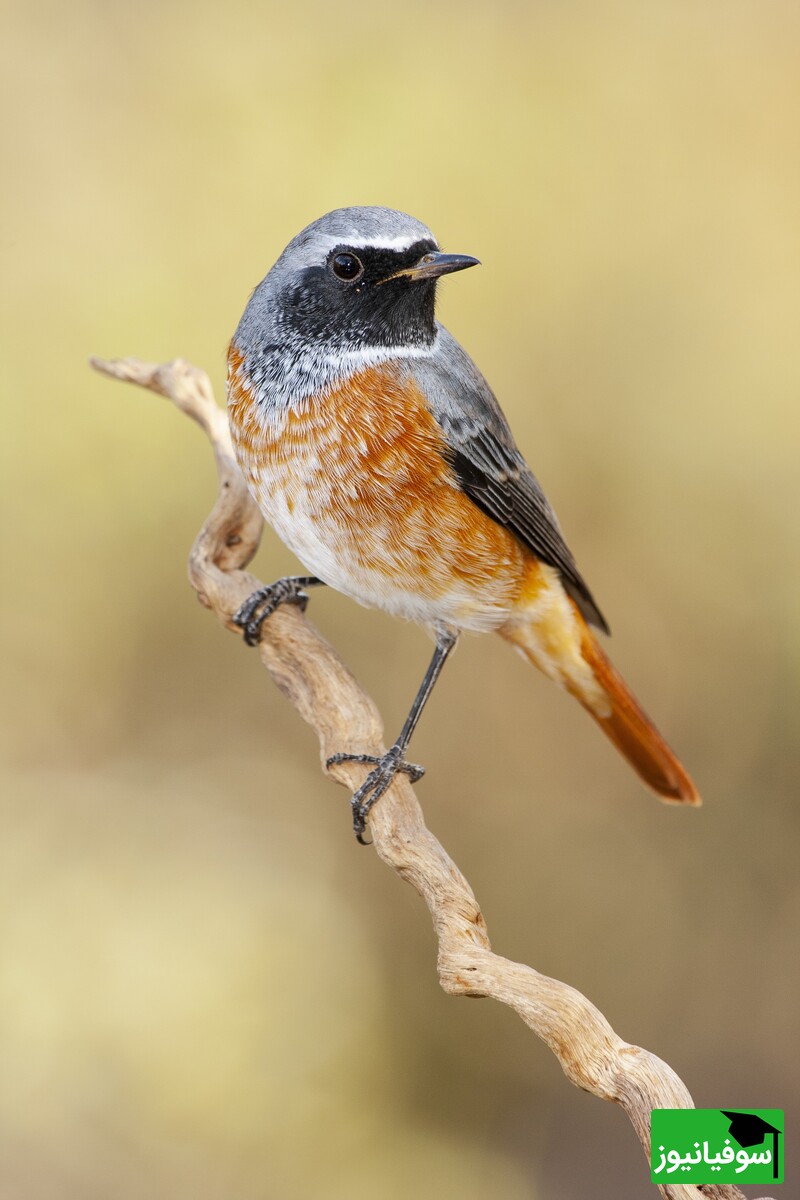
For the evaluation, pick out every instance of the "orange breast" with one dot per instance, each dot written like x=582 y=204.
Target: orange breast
x=358 y=476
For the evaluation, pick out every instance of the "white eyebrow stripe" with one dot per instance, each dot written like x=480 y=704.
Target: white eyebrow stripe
x=401 y=242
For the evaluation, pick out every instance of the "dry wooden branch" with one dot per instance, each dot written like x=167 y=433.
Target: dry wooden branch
x=313 y=678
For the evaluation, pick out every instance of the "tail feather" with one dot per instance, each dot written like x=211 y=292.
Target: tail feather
x=558 y=641
x=634 y=734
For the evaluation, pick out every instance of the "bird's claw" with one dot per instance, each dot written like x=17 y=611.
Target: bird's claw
x=377 y=782
x=251 y=615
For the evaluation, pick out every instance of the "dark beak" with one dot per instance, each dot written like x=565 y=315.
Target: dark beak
x=434 y=264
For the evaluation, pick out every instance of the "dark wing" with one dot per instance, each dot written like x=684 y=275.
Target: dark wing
x=481 y=450
x=508 y=492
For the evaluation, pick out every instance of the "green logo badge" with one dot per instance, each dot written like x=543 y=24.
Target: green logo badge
x=712 y=1145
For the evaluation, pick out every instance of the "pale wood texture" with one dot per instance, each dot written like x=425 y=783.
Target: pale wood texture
x=315 y=680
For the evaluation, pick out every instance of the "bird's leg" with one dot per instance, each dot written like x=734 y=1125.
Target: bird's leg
x=393 y=761
x=251 y=615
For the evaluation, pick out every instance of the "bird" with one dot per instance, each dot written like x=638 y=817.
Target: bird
x=378 y=452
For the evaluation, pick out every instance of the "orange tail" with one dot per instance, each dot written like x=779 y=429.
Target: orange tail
x=634 y=734
x=559 y=642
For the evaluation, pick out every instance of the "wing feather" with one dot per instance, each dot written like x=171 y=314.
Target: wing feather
x=481 y=449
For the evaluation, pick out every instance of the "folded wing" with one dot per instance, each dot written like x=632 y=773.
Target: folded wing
x=481 y=449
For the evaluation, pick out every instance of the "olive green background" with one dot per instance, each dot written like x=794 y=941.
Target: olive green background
x=207 y=990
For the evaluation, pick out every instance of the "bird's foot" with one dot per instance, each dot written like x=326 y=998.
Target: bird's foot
x=251 y=615
x=386 y=767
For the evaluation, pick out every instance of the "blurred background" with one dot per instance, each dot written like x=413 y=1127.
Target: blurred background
x=206 y=988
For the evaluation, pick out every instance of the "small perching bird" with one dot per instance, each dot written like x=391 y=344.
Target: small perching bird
x=378 y=452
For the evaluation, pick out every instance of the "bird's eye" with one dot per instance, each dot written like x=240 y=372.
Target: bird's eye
x=347 y=267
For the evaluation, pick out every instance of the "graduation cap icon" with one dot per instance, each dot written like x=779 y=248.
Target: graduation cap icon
x=748 y=1129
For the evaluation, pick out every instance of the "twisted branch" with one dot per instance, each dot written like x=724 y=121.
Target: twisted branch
x=315 y=680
